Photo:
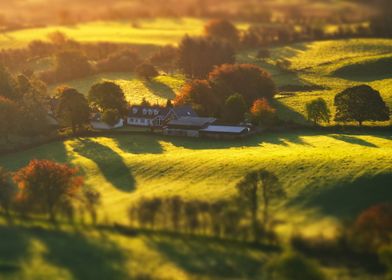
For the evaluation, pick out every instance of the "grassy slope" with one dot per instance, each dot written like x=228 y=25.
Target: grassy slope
x=312 y=168
x=327 y=178
x=334 y=65
x=144 y=32
x=157 y=91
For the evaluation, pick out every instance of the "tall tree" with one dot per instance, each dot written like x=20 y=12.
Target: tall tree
x=222 y=29
x=198 y=56
x=146 y=71
x=9 y=117
x=8 y=84
x=46 y=186
x=235 y=108
x=360 y=103
x=317 y=111
x=73 y=109
x=257 y=186
x=251 y=81
x=107 y=95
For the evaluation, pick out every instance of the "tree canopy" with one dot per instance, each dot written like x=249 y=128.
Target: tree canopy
x=107 y=95
x=222 y=29
x=317 y=111
x=360 y=103
x=73 y=109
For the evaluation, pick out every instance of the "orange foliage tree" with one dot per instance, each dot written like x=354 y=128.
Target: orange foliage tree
x=47 y=186
x=373 y=227
x=262 y=113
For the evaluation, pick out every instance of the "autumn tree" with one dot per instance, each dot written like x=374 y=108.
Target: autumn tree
x=146 y=71
x=200 y=95
x=317 y=111
x=107 y=95
x=259 y=187
x=250 y=81
x=235 y=108
x=7 y=191
x=47 y=186
x=121 y=61
x=198 y=56
x=222 y=29
x=8 y=84
x=73 y=109
x=360 y=103
x=8 y=118
x=262 y=113
x=373 y=227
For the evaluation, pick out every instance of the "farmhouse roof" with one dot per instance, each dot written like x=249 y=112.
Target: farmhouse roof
x=148 y=112
x=196 y=122
x=225 y=129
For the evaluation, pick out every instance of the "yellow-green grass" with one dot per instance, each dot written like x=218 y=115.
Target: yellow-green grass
x=158 y=90
x=327 y=177
x=160 y=31
x=333 y=65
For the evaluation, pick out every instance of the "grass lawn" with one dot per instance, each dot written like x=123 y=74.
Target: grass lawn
x=353 y=171
x=157 y=90
x=333 y=65
x=161 y=31
x=328 y=178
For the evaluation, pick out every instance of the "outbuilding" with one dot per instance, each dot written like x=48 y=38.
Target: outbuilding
x=187 y=126
x=224 y=132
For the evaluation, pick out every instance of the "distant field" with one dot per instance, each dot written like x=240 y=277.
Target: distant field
x=156 y=91
x=333 y=65
x=142 y=32
x=327 y=177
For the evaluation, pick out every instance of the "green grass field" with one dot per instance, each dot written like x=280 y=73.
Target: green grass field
x=159 y=32
x=328 y=178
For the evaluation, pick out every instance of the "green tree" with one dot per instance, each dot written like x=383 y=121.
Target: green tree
x=318 y=111
x=107 y=95
x=198 y=56
x=8 y=118
x=47 y=186
x=71 y=65
x=146 y=71
x=111 y=117
x=360 y=103
x=73 y=109
x=257 y=186
x=222 y=29
x=8 y=84
x=235 y=108
x=250 y=81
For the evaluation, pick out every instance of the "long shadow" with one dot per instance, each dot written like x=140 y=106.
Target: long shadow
x=83 y=257
x=141 y=144
x=353 y=140
x=348 y=199
x=160 y=89
x=109 y=162
x=210 y=259
x=13 y=250
x=288 y=114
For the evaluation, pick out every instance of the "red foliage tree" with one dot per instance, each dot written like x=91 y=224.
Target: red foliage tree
x=373 y=227
x=262 y=113
x=46 y=186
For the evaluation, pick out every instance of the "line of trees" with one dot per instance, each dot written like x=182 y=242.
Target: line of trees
x=236 y=218
x=359 y=103
x=49 y=188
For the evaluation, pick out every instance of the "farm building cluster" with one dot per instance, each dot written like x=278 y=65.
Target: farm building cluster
x=174 y=121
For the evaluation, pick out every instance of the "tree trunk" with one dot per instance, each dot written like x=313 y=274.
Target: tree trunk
x=255 y=208
x=266 y=207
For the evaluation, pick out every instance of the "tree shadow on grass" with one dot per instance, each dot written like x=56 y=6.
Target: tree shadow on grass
x=353 y=140
x=160 y=89
x=141 y=144
x=348 y=199
x=222 y=260
x=110 y=163
x=83 y=257
x=13 y=249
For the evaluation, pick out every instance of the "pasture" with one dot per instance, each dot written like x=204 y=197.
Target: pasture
x=328 y=179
